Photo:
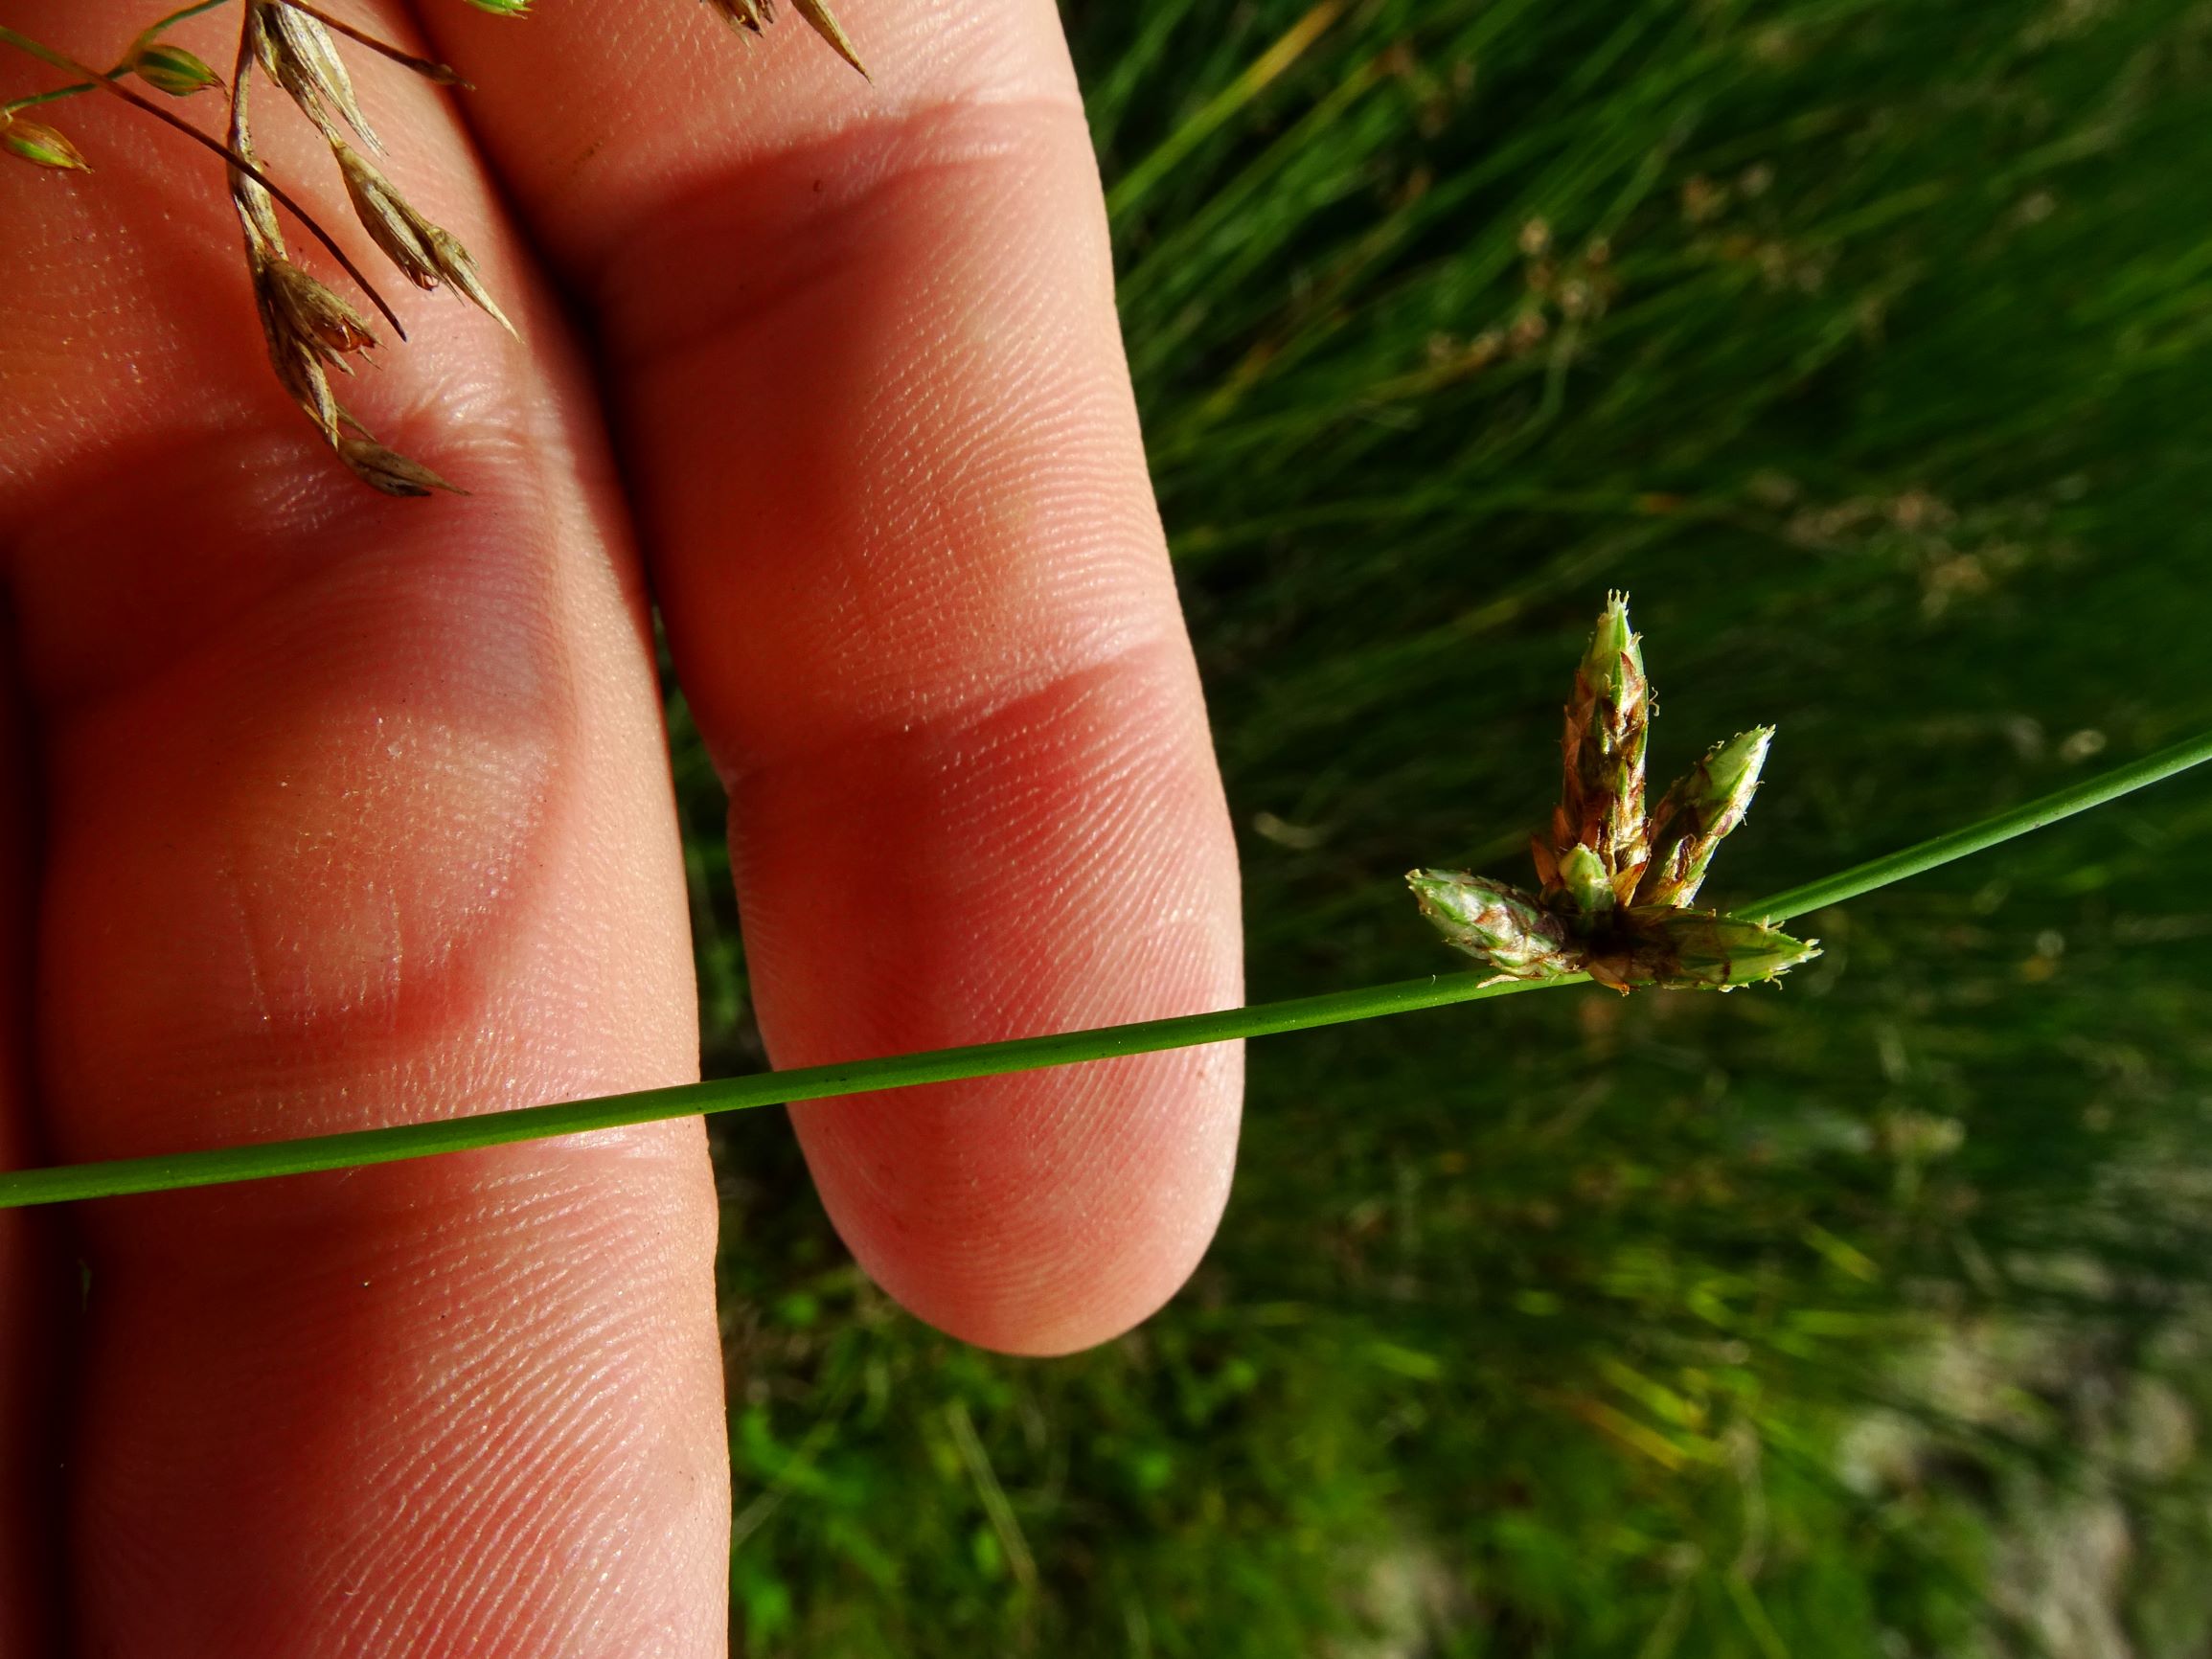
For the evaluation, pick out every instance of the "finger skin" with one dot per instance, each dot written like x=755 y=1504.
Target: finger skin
x=355 y=812
x=869 y=381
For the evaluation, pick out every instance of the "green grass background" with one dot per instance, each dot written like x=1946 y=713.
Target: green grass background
x=1864 y=341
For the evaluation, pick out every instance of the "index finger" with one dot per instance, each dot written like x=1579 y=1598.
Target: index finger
x=868 y=376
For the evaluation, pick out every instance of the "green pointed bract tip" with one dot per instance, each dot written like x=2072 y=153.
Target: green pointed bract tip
x=1607 y=723
x=1697 y=814
x=1682 y=949
x=1505 y=929
x=172 y=70
x=1613 y=648
x=502 y=7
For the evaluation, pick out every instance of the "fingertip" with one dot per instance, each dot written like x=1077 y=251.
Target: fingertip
x=1108 y=1228
x=1059 y=864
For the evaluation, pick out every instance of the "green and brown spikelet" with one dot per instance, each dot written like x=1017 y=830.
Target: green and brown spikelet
x=39 y=145
x=171 y=69
x=1505 y=927
x=1616 y=882
x=1601 y=809
x=1697 y=813
x=1693 y=947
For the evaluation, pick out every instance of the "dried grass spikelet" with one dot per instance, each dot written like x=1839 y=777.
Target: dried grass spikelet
x=424 y=253
x=312 y=312
x=388 y=470
x=755 y=16
x=827 y=27
x=309 y=329
x=305 y=318
x=301 y=57
x=297 y=358
x=298 y=367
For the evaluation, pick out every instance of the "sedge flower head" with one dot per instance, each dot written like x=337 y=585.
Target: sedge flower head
x=1616 y=881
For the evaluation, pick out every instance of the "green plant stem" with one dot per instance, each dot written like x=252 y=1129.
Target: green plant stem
x=358 y=1148
x=54 y=97
x=108 y=83
x=176 y=18
x=1864 y=878
x=21 y=43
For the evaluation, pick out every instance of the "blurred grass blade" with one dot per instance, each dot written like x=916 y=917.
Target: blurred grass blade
x=1223 y=108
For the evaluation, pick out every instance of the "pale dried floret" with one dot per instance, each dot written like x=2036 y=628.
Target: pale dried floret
x=755 y=16
x=310 y=328
x=752 y=14
x=311 y=312
x=301 y=57
x=426 y=254
x=388 y=470
x=299 y=370
x=826 y=24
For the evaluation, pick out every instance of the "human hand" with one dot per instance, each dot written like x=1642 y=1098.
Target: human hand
x=335 y=810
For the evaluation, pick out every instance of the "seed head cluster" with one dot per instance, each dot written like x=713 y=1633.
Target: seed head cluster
x=311 y=329
x=755 y=16
x=1617 y=881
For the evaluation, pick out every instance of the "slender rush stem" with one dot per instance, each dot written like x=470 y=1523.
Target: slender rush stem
x=1975 y=838
x=362 y=1146
x=107 y=84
